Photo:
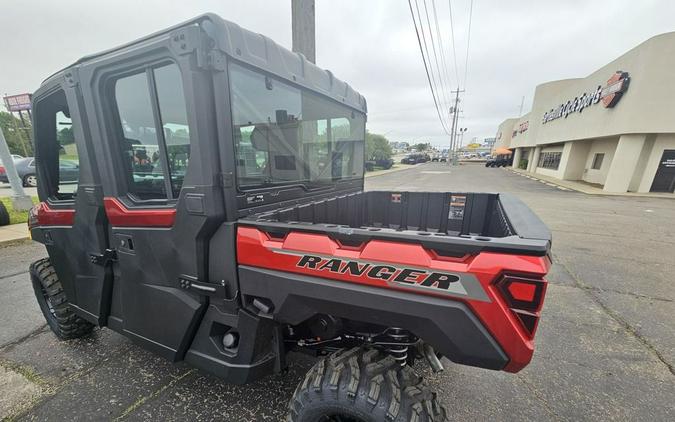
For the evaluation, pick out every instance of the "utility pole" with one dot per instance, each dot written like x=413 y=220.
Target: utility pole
x=303 y=23
x=455 y=116
x=20 y=201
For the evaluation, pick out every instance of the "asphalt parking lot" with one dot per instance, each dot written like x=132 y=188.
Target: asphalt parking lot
x=605 y=345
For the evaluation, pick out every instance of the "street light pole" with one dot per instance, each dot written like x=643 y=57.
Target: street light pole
x=20 y=201
x=303 y=24
x=455 y=111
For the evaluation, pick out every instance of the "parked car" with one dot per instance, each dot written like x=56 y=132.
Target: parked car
x=415 y=158
x=69 y=171
x=499 y=161
x=384 y=163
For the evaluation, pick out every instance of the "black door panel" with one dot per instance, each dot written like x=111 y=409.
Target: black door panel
x=73 y=185
x=162 y=196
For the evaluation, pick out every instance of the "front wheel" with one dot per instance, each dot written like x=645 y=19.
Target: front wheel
x=363 y=385
x=53 y=303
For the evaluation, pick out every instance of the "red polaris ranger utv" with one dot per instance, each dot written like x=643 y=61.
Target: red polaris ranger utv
x=219 y=218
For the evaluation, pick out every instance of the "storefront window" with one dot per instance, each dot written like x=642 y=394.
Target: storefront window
x=550 y=160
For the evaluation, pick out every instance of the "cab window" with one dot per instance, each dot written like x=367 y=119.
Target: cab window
x=57 y=152
x=286 y=135
x=154 y=136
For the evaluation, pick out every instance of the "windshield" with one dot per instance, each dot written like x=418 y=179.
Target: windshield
x=286 y=135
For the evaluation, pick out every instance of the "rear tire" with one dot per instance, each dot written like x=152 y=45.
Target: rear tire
x=4 y=215
x=53 y=303
x=363 y=385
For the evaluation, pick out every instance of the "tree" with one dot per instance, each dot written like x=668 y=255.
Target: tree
x=18 y=138
x=422 y=146
x=377 y=147
x=65 y=136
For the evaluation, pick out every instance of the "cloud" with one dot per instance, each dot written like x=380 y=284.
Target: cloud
x=515 y=45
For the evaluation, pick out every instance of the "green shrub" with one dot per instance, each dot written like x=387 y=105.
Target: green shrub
x=523 y=164
x=16 y=217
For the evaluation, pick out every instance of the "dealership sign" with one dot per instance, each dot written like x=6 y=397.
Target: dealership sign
x=610 y=95
x=19 y=102
x=521 y=128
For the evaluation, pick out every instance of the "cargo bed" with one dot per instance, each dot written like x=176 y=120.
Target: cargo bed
x=453 y=223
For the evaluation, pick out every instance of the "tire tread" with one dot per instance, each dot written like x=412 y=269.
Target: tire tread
x=368 y=382
x=64 y=322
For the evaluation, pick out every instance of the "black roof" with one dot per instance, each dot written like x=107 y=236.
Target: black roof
x=256 y=50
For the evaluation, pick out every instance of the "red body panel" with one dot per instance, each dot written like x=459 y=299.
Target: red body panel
x=52 y=217
x=120 y=216
x=256 y=248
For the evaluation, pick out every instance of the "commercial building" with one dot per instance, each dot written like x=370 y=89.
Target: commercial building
x=614 y=128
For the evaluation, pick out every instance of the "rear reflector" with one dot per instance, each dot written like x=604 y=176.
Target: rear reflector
x=525 y=297
x=523 y=292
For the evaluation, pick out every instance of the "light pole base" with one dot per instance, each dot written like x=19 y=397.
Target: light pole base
x=22 y=203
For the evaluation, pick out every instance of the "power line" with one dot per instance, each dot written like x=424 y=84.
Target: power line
x=444 y=93
x=452 y=36
x=426 y=67
x=440 y=43
x=428 y=56
x=468 y=44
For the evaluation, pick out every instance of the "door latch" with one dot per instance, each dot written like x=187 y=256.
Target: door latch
x=206 y=289
x=103 y=259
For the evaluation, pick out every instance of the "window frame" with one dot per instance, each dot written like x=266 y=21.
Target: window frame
x=42 y=152
x=548 y=158
x=601 y=156
x=116 y=129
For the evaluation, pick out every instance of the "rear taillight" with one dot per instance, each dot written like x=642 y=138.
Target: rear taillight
x=33 y=217
x=2 y=170
x=525 y=297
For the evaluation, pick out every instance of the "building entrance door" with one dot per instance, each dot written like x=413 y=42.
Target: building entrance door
x=664 y=181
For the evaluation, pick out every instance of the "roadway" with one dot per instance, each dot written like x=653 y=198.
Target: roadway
x=605 y=347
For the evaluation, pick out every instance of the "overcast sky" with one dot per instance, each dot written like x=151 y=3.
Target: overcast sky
x=371 y=44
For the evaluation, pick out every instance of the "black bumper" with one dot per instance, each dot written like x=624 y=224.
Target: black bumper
x=448 y=325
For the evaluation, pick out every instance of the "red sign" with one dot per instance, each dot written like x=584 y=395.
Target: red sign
x=616 y=86
x=19 y=102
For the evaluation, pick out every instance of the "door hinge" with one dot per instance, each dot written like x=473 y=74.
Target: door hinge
x=226 y=180
x=216 y=60
x=72 y=78
x=107 y=257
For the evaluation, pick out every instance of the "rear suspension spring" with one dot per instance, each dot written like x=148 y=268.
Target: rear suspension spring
x=398 y=351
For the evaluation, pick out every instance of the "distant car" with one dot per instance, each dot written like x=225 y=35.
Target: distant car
x=385 y=164
x=69 y=172
x=16 y=157
x=415 y=158
x=499 y=161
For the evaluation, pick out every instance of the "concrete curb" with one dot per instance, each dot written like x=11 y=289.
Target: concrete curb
x=14 y=242
x=391 y=170
x=579 y=187
x=13 y=234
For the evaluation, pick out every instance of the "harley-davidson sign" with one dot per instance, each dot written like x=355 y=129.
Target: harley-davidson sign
x=610 y=95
